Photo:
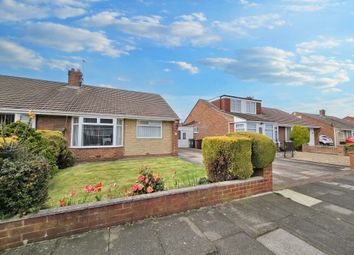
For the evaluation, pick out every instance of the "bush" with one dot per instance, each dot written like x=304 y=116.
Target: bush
x=23 y=181
x=348 y=148
x=147 y=182
x=227 y=158
x=299 y=135
x=263 y=148
x=58 y=145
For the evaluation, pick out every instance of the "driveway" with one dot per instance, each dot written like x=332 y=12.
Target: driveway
x=286 y=172
x=316 y=218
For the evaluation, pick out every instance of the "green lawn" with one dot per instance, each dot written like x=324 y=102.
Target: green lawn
x=175 y=172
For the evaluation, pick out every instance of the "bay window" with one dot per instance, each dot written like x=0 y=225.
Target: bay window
x=252 y=127
x=97 y=132
x=269 y=130
x=240 y=127
x=149 y=129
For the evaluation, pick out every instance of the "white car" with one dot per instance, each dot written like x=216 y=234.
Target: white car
x=325 y=140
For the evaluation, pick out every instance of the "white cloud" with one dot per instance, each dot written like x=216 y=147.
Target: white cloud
x=248 y=3
x=14 y=10
x=15 y=56
x=276 y=66
x=321 y=43
x=242 y=24
x=123 y=79
x=308 y=5
x=185 y=29
x=167 y=70
x=186 y=66
x=62 y=65
x=71 y=39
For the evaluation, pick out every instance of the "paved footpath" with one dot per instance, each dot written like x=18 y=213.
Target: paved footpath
x=316 y=218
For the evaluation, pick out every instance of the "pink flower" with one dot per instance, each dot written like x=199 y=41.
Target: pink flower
x=140 y=186
x=134 y=187
x=149 y=189
x=147 y=180
x=141 y=178
x=89 y=188
x=156 y=179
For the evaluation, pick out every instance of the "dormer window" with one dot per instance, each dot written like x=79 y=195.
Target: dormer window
x=250 y=107
x=235 y=105
x=242 y=106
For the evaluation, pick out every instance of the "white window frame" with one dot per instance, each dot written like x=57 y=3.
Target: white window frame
x=80 y=131
x=148 y=125
x=249 y=103
x=233 y=104
x=287 y=137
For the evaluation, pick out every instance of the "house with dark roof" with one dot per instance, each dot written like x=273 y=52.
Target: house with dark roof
x=99 y=123
x=226 y=113
x=331 y=126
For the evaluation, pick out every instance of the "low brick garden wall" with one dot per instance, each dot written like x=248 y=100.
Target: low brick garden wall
x=339 y=150
x=56 y=222
x=351 y=159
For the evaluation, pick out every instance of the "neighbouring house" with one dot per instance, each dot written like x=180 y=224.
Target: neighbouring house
x=226 y=113
x=333 y=127
x=349 y=119
x=99 y=123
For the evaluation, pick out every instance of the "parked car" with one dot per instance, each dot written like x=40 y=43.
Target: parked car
x=325 y=140
x=349 y=139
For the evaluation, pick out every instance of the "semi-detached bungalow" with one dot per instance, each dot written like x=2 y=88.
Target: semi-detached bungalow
x=99 y=123
x=226 y=113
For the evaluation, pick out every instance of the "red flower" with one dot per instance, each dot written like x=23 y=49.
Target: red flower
x=147 y=180
x=89 y=188
x=98 y=187
x=149 y=189
x=62 y=202
x=134 y=187
x=141 y=178
x=156 y=178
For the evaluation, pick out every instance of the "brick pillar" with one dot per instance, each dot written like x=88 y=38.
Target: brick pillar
x=268 y=176
x=351 y=159
x=175 y=138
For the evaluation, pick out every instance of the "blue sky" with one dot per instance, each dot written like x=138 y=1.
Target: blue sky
x=296 y=55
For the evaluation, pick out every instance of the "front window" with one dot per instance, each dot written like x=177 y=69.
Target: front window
x=240 y=127
x=149 y=129
x=252 y=127
x=6 y=118
x=269 y=130
x=97 y=132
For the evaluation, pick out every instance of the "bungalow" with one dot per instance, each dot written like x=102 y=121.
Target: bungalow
x=333 y=127
x=99 y=123
x=226 y=113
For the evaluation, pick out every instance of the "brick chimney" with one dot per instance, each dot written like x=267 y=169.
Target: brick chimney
x=323 y=112
x=74 y=77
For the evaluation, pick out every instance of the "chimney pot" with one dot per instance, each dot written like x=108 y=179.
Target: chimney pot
x=323 y=112
x=74 y=77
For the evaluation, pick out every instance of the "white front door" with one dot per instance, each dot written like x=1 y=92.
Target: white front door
x=182 y=140
x=312 y=137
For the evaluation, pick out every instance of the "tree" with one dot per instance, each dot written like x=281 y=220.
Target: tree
x=299 y=135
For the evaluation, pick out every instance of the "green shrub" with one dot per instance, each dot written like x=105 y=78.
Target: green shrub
x=299 y=135
x=227 y=158
x=23 y=181
x=348 y=148
x=263 y=148
x=58 y=145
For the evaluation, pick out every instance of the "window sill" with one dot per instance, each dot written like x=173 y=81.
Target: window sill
x=94 y=147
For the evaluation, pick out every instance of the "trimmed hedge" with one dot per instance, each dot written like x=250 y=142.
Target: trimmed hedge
x=299 y=135
x=263 y=148
x=348 y=148
x=227 y=158
x=24 y=178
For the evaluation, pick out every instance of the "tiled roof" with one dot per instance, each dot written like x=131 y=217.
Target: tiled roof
x=41 y=95
x=270 y=115
x=331 y=120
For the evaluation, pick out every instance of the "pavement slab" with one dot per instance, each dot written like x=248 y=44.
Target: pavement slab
x=241 y=244
x=90 y=243
x=139 y=238
x=281 y=242
x=40 y=248
x=299 y=197
x=213 y=224
x=179 y=235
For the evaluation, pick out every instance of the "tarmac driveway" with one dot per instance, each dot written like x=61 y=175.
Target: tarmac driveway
x=316 y=218
x=286 y=172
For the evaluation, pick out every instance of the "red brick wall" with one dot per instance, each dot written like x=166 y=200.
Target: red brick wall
x=55 y=123
x=258 y=108
x=281 y=134
x=223 y=104
x=323 y=149
x=349 y=119
x=175 y=138
x=351 y=158
x=209 y=121
x=95 y=154
x=48 y=224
